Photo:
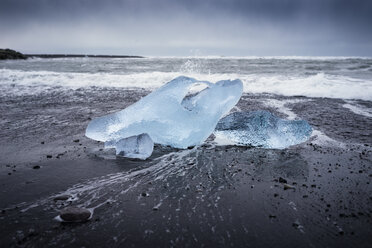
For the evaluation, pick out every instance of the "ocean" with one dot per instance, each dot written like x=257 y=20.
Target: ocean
x=332 y=77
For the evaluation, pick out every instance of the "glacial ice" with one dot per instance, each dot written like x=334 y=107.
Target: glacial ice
x=170 y=116
x=263 y=129
x=138 y=146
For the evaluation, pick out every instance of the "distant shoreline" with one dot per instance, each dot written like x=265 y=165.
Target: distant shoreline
x=12 y=54
x=79 y=56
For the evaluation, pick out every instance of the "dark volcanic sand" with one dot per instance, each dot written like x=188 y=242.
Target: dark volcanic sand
x=207 y=196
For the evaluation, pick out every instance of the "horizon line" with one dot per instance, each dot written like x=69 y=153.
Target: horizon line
x=89 y=55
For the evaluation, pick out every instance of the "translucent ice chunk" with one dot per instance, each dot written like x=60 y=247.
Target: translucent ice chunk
x=168 y=116
x=261 y=128
x=139 y=146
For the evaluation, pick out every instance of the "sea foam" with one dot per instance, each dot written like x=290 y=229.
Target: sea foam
x=18 y=82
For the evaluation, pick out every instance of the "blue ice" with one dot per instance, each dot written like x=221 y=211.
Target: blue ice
x=170 y=116
x=263 y=129
x=138 y=146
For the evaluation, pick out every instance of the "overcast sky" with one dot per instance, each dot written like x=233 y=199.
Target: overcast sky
x=188 y=27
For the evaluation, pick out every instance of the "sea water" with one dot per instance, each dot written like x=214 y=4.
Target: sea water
x=332 y=77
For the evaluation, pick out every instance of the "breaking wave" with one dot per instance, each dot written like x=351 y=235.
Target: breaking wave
x=19 y=82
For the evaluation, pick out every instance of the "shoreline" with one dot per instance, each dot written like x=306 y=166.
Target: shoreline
x=9 y=54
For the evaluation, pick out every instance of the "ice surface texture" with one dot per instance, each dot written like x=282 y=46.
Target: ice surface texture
x=261 y=128
x=168 y=116
x=139 y=146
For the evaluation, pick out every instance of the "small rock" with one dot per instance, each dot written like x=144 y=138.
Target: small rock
x=42 y=142
x=32 y=232
x=155 y=208
x=75 y=214
x=296 y=224
x=35 y=167
x=61 y=197
x=76 y=141
x=282 y=180
x=49 y=156
x=287 y=186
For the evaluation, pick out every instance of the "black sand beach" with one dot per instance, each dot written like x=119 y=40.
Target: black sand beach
x=316 y=194
x=304 y=69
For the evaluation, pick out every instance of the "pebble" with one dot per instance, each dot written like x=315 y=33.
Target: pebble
x=296 y=224
x=61 y=197
x=75 y=214
x=287 y=186
x=282 y=180
x=36 y=167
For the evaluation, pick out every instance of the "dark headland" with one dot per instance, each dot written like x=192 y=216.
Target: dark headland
x=12 y=54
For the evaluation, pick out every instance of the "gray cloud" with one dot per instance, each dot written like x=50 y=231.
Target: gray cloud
x=166 y=27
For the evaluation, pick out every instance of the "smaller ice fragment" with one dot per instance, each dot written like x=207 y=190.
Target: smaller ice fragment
x=263 y=129
x=137 y=146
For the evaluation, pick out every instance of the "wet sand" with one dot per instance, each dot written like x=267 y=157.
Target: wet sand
x=316 y=194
